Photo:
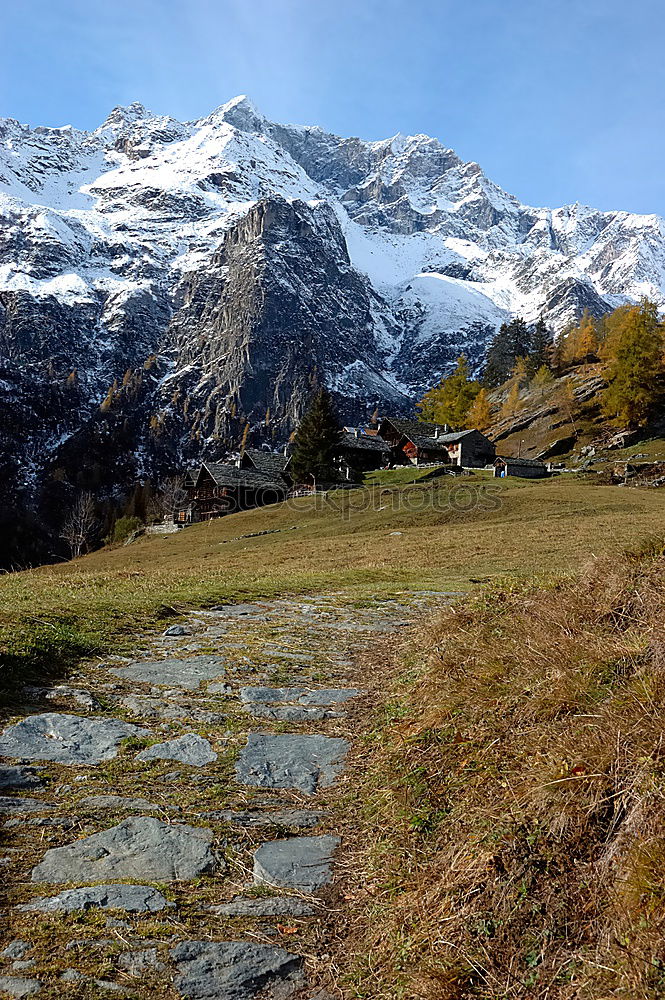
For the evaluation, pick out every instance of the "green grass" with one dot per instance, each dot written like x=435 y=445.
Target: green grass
x=394 y=477
x=454 y=533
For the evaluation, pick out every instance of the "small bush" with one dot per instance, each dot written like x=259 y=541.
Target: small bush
x=122 y=529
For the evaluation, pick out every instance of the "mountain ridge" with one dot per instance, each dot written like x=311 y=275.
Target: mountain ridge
x=248 y=258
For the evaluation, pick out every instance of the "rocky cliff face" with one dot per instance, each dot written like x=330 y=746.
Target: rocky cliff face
x=163 y=283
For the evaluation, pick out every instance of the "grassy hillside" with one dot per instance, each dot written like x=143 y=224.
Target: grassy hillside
x=513 y=798
x=453 y=534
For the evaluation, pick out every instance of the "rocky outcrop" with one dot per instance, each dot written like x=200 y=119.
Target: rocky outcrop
x=279 y=305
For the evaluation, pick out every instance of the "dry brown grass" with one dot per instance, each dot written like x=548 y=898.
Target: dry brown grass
x=516 y=799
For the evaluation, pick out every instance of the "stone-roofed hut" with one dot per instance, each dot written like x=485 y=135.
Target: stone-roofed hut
x=416 y=442
x=270 y=463
x=362 y=451
x=214 y=489
x=525 y=468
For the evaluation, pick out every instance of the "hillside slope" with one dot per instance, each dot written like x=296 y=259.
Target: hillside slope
x=511 y=837
x=563 y=422
x=442 y=535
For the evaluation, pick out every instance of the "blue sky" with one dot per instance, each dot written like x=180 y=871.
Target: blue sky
x=558 y=100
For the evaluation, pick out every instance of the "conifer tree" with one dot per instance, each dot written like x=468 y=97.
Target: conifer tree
x=566 y=400
x=512 y=341
x=540 y=354
x=107 y=402
x=317 y=442
x=635 y=351
x=520 y=371
x=479 y=416
x=499 y=358
x=542 y=379
x=520 y=338
x=580 y=344
x=587 y=338
x=450 y=401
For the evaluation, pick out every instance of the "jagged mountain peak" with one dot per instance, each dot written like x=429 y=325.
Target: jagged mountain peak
x=240 y=112
x=247 y=255
x=123 y=115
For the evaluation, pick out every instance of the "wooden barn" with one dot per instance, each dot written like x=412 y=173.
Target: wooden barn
x=415 y=442
x=214 y=490
x=270 y=463
x=525 y=468
x=361 y=451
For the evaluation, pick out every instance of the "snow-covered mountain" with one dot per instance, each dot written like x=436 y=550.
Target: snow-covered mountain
x=250 y=257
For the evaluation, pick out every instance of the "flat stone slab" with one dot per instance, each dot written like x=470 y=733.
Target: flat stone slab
x=240 y=610
x=277 y=818
x=145 y=707
x=17 y=986
x=291 y=713
x=300 y=696
x=141 y=847
x=19 y=777
x=262 y=906
x=280 y=760
x=117 y=802
x=219 y=687
x=15 y=950
x=66 y=739
x=188 y=749
x=286 y=654
x=18 y=805
x=235 y=970
x=173 y=672
x=297 y=863
x=132 y=898
x=66 y=822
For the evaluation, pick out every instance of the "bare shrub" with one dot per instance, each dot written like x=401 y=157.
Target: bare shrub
x=80 y=527
x=170 y=495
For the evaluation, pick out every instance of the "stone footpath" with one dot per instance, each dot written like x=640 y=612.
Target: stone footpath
x=166 y=823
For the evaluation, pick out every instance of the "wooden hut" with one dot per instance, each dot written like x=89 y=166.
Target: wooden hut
x=415 y=442
x=361 y=451
x=214 y=489
x=270 y=463
x=525 y=468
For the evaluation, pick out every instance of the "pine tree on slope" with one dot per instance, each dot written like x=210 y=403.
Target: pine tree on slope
x=317 y=442
x=540 y=355
x=635 y=350
x=479 y=416
x=512 y=341
x=450 y=401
